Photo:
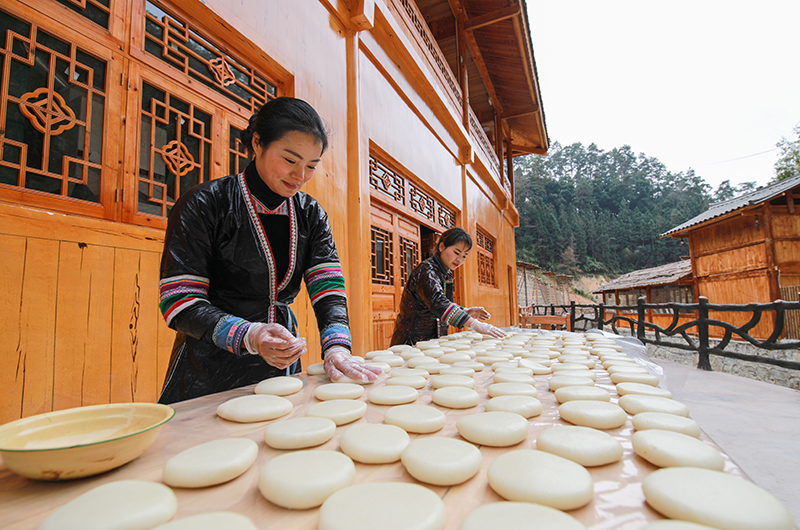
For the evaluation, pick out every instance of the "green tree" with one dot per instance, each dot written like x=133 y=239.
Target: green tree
x=788 y=163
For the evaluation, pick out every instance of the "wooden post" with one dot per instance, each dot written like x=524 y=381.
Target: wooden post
x=510 y=168
x=602 y=310
x=640 y=330
x=649 y=297
x=703 y=363
x=769 y=242
x=463 y=73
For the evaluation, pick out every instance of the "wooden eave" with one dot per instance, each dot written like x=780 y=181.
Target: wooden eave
x=502 y=76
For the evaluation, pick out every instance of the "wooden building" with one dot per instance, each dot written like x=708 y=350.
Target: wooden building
x=110 y=109
x=743 y=250
x=659 y=285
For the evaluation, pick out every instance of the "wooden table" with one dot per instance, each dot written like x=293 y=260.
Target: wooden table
x=618 y=500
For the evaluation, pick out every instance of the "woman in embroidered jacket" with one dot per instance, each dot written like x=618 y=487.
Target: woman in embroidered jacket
x=235 y=253
x=426 y=306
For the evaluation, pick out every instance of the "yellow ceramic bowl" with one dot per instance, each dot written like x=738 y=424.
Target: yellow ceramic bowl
x=80 y=442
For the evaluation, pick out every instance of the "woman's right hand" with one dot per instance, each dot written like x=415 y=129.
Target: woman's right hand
x=274 y=343
x=485 y=328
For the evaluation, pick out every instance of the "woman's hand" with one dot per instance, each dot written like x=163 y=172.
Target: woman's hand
x=479 y=313
x=338 y=362
x=274 y=343
x=485 y=328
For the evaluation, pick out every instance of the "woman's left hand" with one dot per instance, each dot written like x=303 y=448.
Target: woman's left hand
x=339 y=361
x=479 y=313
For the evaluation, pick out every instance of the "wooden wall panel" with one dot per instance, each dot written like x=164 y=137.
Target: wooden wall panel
x=787 y=252
x=83 y=326
x=742 y=290
x=785 y=225
x=737 y=260
x=37 y=325
x=728 y=233
x=12 y=377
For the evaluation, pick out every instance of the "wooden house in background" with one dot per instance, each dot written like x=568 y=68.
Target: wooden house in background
x=743 y=250
x=110 y=109
x=747 y=249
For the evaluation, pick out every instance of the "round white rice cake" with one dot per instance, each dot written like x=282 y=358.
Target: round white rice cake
x=457 y=370
x=121 y=504
x=409 y=353
x=259 y=407
x=665 y=524
x=432 y=366
x=636 y=403
x=624 y=368
x=595 y=414
x=525 y=406
x=299 y=433
x=304 y=479
x=387 y=505
x=475 y=365
x=506 y=377
x=405 y=372
x=392 y=395
x=316 y=369
x=642 y=389
x=528 y=475
x=583 y=445
x=519 y=515
x=560 y=381
x=495 y=429
x=673 y=449
x=376 y=353
x=338 y=391
x=283 y=385
x=715 y=499
x=392 y=360
x=210 y=463
x=581 y=393
x=667 y=422
x=455 y=397
x=339 y=411
x=441 y=461
x=414 y=381
x=441 y=381
x=512 y=389
x=210 y=521
x=374 y=443
x=420 y=419
x=625 y=377
x=450 y=358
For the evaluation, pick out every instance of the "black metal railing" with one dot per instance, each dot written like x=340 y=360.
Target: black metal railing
x=694 y=332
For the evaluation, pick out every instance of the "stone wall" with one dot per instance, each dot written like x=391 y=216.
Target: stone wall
x=758 y=371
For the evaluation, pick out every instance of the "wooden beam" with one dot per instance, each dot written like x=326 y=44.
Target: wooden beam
x=483 y=71
x=463 y=72
x=516 y=113
x=790 y=200
x=492 y=18
x=363 y=15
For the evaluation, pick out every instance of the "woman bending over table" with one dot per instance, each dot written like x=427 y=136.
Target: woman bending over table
x=235 y=253
x=426 y=306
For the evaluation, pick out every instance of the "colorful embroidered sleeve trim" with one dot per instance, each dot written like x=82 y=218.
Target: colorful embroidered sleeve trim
x=229 y=333
x=335 y=335
x=325 y=279
x=455 y=316
x=180 y=292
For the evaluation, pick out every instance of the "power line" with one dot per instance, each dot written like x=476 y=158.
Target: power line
x=741 y=157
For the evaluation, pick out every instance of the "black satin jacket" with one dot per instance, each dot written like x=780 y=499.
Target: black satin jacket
x=213 y=236
x=426 y=306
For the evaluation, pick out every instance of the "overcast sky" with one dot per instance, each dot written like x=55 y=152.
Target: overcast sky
x=710 y=85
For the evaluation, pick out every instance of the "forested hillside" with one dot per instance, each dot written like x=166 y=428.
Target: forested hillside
x=585 y=210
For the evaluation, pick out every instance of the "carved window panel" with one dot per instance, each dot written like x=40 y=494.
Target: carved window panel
x=97 y=11
x=485 y=259
x=382 y=257
x=386 y=180
x=447 y=217
x=238 y=158
x=409 y=258
x=421 y=202
x=178 y=44
x=175 y=150
x=52 y=103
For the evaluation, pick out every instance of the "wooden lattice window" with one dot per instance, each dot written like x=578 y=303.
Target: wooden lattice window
x=180 y=45
x=485 y=259
x=421 y=202
x=97 y=11
x=382 y=257
x=447 y=217
x=52 y=101
x=386 y=180
x=410 y=258
x=175 y=149
x=237 y=154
